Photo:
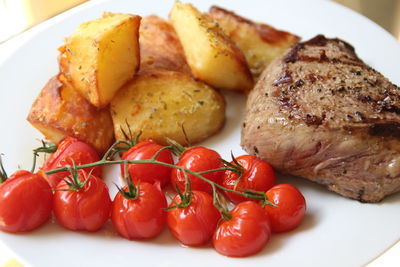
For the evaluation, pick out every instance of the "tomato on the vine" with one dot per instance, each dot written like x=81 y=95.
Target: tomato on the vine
x=198 y=159
x=70 y=151
x=26 y=202
x=150 y=173
x=194 y=223
x=138 y=212
x=82 y=202
x=256 y=175
x=245 y=233
x=289 y=210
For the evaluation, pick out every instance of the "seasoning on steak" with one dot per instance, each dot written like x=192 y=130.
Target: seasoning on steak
x=321 y=113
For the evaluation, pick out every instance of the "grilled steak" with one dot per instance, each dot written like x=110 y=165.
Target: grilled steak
x=321 y=113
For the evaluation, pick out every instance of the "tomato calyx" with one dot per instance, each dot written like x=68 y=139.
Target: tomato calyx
x=186 y=199
x=121 y=146
x=118 y=147
x=186 y=196
x=175 y=148
x=133 y=191
x=234 y=167
x=258 y=195
x=3 y=173
x=73 y=182
x=46 y=147
x=220 y=203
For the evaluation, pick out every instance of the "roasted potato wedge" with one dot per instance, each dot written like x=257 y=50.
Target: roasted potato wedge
x=211 y=55
x=260 y=43
x=169 y=104
x=160 y=47
x=101 y=56
x=61 y=111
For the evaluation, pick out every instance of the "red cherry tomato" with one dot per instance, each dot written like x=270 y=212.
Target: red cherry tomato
x=87 y=208
x=70 y=151
x=141 y=217
x=195 y=224
x=26 y=201
x=290 y=207
x=198 y=159
x=150 y=173
x=245 y=234
x=257 y=175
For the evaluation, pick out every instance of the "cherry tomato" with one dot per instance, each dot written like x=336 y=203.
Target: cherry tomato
x=142 y=216
x=150 y=173
x=194 y=224
x=87 y=208
x=26 y=201
x=257 y=175
x=246 y=233
x=198 y=159
x=290 y=207
x=70 y=151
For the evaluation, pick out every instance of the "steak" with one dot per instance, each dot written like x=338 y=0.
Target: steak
x=321 y=113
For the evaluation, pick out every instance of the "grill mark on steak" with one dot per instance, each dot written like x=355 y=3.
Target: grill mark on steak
x=390 y=129
x=350 y=58
x=322 y=58
x=318 y=40
x=287 y=84
x=374 y=128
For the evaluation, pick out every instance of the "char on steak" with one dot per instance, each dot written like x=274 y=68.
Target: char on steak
x=321 y=113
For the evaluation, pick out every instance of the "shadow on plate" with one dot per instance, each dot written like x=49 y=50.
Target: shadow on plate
x=278 y=240
x=394 y=198
x=307 y=185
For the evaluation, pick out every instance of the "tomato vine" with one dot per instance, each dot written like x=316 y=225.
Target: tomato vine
x=115 y=148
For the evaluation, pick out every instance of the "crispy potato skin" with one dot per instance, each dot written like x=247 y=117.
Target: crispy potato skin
x=163 y=103
x=61 y=111
x=260 y=43
x=101 y=56
x=211 y=55
x=160 y=47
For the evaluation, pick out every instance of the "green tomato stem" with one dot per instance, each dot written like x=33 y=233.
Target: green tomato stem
x=222 y=208
x=3 y=173
x=35 y=155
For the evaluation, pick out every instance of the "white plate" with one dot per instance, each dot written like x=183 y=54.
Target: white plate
x=336 y=231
